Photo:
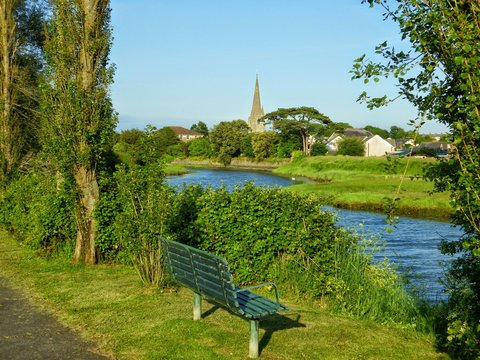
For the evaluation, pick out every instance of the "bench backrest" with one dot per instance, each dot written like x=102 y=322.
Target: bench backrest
x=205 y=273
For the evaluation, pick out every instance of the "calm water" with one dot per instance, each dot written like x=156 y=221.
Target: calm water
x=412 y=245
x=230 y=178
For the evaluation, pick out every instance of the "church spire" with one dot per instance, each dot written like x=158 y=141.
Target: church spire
x=257 y=111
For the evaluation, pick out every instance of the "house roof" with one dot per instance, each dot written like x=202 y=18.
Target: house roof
x=178 y=130
x=350 y=133
x=357 y=132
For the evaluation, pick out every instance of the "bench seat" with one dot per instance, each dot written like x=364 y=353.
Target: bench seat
x=209 y=277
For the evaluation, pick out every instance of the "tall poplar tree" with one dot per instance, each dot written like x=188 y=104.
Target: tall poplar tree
x=78 y=118
x=21 y=57
x=9 y=128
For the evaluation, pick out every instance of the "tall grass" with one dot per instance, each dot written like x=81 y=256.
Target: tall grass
x=365 y=183
x=373 y=290
x=362 y=288
x=341 y=167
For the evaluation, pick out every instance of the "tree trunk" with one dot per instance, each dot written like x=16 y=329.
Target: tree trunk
x=7 y=54
x=88 y=195
x=304 y=143
x=85 y=175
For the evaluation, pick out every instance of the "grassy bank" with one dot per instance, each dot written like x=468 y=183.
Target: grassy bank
x=364 y=183
x=174 y=169
x=108 y=305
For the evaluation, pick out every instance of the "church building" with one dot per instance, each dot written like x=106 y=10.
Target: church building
x=257 y=112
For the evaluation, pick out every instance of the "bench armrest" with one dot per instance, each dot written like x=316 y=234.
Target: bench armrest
x=262 y=285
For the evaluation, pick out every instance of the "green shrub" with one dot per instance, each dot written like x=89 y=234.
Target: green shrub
x=199 y=147
x=145 y=209
x=352 y=146
x=109 y=249
x=179 y=150
x=39 y=214
x=252 y=226
x=263 y=144
x=318 y=148
x=286 y=147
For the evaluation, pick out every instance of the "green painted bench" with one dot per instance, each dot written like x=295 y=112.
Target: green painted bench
x=209 y=277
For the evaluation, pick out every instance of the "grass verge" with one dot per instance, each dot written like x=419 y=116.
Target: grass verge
x=364 y=183
x=109 y=306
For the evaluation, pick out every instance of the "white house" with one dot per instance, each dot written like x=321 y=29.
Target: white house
x=185 y=134
x=332 y=142
x=375 y=145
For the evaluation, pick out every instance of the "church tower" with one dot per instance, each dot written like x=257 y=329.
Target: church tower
x=257 y=111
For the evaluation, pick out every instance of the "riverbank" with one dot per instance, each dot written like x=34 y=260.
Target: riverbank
x=355 y=183
x=365 y=184
x=237 y=163
x=108 y=305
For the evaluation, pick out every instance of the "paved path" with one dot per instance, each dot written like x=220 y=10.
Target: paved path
x=26 y=333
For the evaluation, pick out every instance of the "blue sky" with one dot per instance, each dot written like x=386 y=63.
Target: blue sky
x=183 y=61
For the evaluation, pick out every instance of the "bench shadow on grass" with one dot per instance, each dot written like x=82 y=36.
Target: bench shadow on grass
x=270 y=324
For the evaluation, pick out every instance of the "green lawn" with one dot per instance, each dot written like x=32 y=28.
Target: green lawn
x=108 y=305
x=363 y=183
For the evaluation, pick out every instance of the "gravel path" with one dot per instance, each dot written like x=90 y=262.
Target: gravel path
x=27 y=333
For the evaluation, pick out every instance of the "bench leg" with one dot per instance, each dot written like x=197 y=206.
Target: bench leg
x=253 y=346
x=197 y=306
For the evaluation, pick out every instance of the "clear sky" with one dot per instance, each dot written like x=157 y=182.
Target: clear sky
x=183 y=61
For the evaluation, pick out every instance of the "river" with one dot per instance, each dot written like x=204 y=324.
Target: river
x=412 y=245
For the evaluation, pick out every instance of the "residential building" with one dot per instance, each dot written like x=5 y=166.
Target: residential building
x=375 y=145
x=185 y=134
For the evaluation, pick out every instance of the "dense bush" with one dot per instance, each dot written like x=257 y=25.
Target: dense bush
x=252 y=226
x=199 y=147
x=263 y=144
x=286 y=147
x=145 y=207
x=40 y=215
x=319 y=148
x=352 y=146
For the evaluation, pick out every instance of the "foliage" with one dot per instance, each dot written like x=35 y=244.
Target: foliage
x=131 y=136
x=319 y=148
x=378 y=131
x=21 y=58
x=145 y=207
x=78 y=120
x=200 y=127
x=373 y=290
x=441 y=77
x=303 y=121
x=285 y=147
x=246 y=148
x=39 y=214
x=186 y=206
x=154 y=143
x=399 y=133
x=199 y=147
x=178 y=150
x=251 y=226
x=330 y=128
x=263 y=144
x=352 y=146
x=228 y=139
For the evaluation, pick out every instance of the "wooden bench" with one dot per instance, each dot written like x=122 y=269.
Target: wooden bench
x=209 y=277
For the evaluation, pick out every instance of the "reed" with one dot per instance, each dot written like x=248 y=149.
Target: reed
x=362 y=288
